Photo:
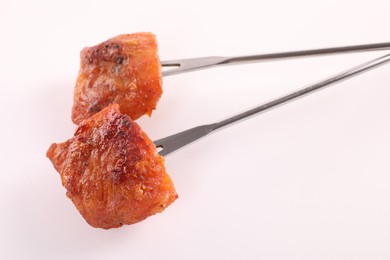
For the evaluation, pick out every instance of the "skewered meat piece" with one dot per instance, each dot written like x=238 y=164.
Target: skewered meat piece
x=124 y=70
x=112 y=171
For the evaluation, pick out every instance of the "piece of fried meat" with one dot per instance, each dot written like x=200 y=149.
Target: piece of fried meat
x=124 y=70
x=112 y=171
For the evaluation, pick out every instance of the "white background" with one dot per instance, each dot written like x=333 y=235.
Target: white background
x=309 y=180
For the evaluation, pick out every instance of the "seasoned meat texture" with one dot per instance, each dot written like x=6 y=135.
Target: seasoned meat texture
x=112 y=171
x=124 y=70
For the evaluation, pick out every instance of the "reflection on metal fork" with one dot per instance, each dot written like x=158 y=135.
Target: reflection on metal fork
x=174 y=142
x=186 y=65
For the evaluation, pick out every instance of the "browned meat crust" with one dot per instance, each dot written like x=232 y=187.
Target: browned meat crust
x=112 y=171
x=124 y=70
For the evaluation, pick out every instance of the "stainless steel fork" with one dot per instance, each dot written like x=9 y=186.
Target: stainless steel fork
x=174 y=142
x=187 y=65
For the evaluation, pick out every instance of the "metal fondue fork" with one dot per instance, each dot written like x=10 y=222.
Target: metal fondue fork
x=186 y=65
x=174 y=142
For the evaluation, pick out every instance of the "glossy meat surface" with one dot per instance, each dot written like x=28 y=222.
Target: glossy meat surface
x=124 y=70
x=112 y=171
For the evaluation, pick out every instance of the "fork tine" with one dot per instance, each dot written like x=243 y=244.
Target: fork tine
x=186 y=65
x=172 y=143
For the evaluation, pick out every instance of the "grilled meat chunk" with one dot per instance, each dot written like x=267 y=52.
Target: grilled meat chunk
x=124 y=70
x=112 y=171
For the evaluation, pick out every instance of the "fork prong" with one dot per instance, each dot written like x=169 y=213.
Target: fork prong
x=174 y=142
x=170 y=72
x=174 y=64
x=192 y=64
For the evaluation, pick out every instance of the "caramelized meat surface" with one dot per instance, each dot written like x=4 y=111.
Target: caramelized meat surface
x=112 y=171
x=124 y=70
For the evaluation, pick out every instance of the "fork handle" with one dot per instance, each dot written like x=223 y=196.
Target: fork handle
x=304 y=53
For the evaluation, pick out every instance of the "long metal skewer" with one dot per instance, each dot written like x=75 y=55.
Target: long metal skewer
x=186 y=65
x=174 y=142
